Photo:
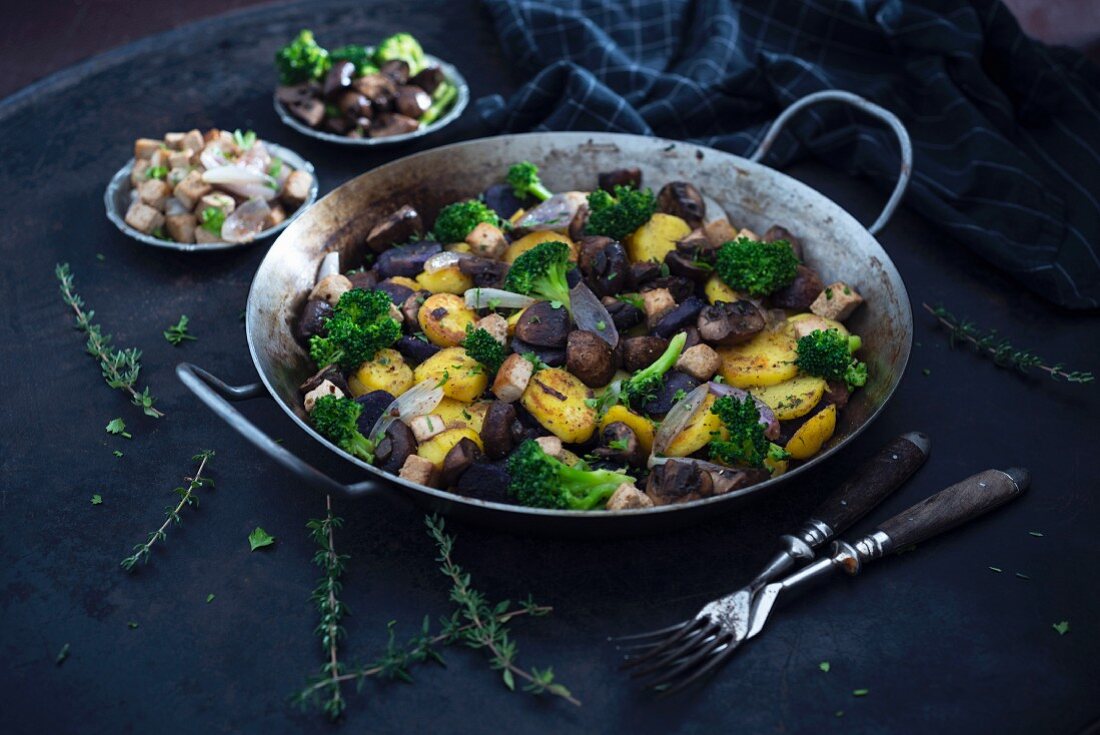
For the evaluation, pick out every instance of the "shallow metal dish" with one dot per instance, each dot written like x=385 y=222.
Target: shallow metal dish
x=116 y=200
x=449 y=71
x=753 y=195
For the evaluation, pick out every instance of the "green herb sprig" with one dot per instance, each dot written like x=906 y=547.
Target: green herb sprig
x=172 y=514
x=475 y=623
x=120 y=368
x=177 y=333
x=999 y=349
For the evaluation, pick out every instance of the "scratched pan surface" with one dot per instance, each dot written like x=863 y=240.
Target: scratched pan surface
x=753 y=196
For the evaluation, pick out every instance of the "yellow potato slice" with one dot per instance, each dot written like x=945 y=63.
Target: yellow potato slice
x=704 y=426
x=656 y=238
x=557 y=400
x=766 y=359
x=716 y=290
x=435 y=449
x=792 y=398
x=813 y=434
x=525 y=243
x=444 y=317
x=458 y=415
x=446 y=280
x=387 y=371
x=460 y=376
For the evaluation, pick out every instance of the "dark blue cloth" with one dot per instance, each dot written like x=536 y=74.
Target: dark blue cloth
x=1006 y=131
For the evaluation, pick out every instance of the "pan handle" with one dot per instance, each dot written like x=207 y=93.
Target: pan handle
x=217 y=394
x=836 y=95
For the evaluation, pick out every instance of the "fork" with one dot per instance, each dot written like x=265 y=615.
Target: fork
x=700 y=652
x=725 y=621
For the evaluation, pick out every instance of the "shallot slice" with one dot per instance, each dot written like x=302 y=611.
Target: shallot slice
x=242 y=181
x=330 y=265
x=215 y=155
x=714 y=210
x=555 y=213
x=256 y=158
x=419 y=400
x=678 y=417
x=592 y=316
x=491 y=298
x=767 y=415
x=246 y=221
x=446 y=259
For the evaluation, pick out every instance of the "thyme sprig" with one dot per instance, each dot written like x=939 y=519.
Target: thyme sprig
x=999 y=349
x=475 y=624
x=177 y=333
x=172 y=514
x=120 y=367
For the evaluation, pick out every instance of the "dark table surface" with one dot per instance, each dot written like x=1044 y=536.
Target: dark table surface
x=942 y=642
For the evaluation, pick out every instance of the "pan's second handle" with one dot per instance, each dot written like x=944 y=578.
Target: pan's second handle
x=217 y=394
x=836 y=95
x=872 y=483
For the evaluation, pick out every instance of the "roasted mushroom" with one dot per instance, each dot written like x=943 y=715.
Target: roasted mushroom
x=552 y=356
x=800 y=293
x=412 y=101
x=680 y=318
x=373 y=403
x=624 y=315
x=543 y=325
x=683 y=200
x=397 y=70
x=405 y=260
x=608 y=180
x=726 y=324
x=458 y=459
x=397 y=227
x=428 y=79
x=640 y=352
x=485 y=272
x=605 y=265
x=312 y=320
x=619 y=443
x=688 y=266
x=395 y=447
x=386 y=124
x=775 y=232
x=500 y=429
x=589 y=358
x=339 y=78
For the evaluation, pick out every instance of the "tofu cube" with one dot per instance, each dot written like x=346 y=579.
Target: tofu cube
x=143 y=218
x=512 y=378
x=487 y=241
x=419 y=470
x=174 y=141
x=425 y=427
x=747 y=233
x=203 y=235
x=658 y=302
x=154 y=192
x=326 y=388
x=217 y=200
x=181 y=227
x=144 y=148
x=700 y=362
x=627 y=497
x=192 y=139
x=139 y=171
x=719 y=232
x=192 y=189
x=276 y=216
x=836 y=302
x=552 y=446
x=496 y=325
x=159 y=157
x=296 y=189
x=180 y=159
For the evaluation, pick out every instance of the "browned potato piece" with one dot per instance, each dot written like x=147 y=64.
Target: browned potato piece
x=444 y=318
x=558 y=401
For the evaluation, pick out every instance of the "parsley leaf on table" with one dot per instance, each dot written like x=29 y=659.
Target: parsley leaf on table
x=97 y=499
x=1062 y=627
x=118 y=427
x=260 y=538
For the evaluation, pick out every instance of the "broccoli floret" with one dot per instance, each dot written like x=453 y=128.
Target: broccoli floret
x=828 y=354
x=645 y=384
x=301 y=60
x=523 y=177
x=484 y=348
x=360 y=325
x=541 y=481
x=337 y=418
x=404 y=47
x=746 y=444
x=758 y=268
x=456 y=221
x=541 y=272
x=357 y=55
x=619 y=215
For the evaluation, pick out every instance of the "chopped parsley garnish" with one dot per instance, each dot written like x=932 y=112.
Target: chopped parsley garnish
x=118 y=427
x=156 y=172
x=244 y=140
x=178 y=333
x=212 y=219
x=824 y=666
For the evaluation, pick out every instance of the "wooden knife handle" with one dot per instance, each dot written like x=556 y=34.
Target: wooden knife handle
x=873 y=482
x=955 y=505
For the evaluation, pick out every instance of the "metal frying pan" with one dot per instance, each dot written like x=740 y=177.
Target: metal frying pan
x=753 y=195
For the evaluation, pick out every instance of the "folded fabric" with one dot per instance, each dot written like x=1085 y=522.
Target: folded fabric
x=1006 y=131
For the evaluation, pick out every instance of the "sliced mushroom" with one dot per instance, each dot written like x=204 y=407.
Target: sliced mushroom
x=415 y=349
x=543 y=325
x=501 y=198
x=697 y=247
x=292 y=94
x=391 y=123
x=310 y=111
x=683 y=200
x=353 y=105
x=589 y=358
x=338 y=78
x=397 y=292
x=619 y=443
x=624 y=315
x=552 y=356
x=378 y=88
x=397 y=70
x=397 y=227
x=605 y=268
x=499 y=429
x=374 y=404
x=675 y=386
x=800 y=293
x=312 y=320
x=680 y=318
x=608 y=180
x=428 y=79
x=725 y=324
x=679 y=287
x=395 y=447
x=405 y=260
x=775 y=232
x=579 y=222
x=460 y=458
x=686 y=266
x=677 y=482
x=413 y=101
x=485 y=272
x=329 y=373
x=364 y=279
x=640 y=352
x=641 y=274
x=410 y=308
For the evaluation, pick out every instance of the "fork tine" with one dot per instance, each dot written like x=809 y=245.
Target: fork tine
x=703 y=670
x=650 y=634
x=664 y=645
x=668 y=676
x=689 y=646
